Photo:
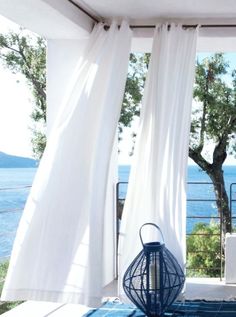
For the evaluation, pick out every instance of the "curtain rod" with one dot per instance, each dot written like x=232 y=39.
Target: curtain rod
x=186 y=26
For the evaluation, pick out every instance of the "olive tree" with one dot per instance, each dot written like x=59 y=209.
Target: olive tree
x=214 y=121
x=25 y=53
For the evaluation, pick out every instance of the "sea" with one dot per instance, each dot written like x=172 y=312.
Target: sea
x=15 y=185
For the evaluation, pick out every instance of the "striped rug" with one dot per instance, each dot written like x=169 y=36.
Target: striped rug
x=185 y=309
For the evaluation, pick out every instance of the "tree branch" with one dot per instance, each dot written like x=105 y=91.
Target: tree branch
x=203 y=128
x=28 y=72
x=11 y=49
x=219 y=153
x=199 y=159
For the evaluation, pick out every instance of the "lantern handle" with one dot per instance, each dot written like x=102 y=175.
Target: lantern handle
x=150 y=224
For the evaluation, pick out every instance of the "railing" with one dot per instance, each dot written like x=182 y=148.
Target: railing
x=207 y=217
x=192 y=216
x=232 y=199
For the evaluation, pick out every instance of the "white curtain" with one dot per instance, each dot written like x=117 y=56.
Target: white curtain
x=156 y=191
x=64 y=250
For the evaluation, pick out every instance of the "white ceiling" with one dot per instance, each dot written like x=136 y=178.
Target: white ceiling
x=146 y=11
x=59 y=19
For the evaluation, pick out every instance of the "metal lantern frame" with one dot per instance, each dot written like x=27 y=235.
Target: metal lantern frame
x=154 y=279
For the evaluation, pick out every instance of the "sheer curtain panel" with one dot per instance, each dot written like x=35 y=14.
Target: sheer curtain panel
x=63 y=249
x=156 y=191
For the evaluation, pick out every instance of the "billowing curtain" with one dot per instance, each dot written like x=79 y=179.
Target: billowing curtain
x=156 y=191
x=63 y=249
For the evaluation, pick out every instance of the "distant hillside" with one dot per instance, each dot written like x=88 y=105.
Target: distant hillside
x=11 y=161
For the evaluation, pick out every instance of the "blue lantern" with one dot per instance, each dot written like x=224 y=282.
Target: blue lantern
x=154 y=279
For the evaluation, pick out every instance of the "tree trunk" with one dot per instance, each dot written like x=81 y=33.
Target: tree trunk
x=222 y=201
x=216 y=174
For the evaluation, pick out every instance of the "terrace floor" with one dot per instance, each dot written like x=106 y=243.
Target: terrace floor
x=196 y=288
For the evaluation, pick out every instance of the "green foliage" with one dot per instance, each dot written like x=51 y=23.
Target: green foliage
x=3 y=272
x=138 y=65
x=203 y=250
x=214 y=118
x=5 y=306
x=39 y=143
x=26 y=54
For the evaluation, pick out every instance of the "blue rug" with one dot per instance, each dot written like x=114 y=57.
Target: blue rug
x=185 y=309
